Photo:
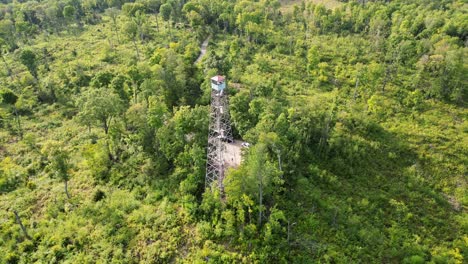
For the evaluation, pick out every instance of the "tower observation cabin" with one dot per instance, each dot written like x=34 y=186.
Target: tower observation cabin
x=218 y=83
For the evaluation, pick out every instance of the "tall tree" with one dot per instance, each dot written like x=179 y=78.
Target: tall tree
x=113 y=13
x=3 y=50
x=99 y=106
x=59 y=162
x=166 y=11
x=257 y=177
x=69 y=13
x=130 y=29
x=9 y=99
x=29 y=59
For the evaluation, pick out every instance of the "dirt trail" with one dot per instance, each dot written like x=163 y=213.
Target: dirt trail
x=203 y=48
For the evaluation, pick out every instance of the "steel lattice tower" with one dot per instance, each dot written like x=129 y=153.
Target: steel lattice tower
x=219 y=133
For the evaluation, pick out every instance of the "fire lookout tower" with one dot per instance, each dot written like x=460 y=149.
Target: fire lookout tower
x=219 y=133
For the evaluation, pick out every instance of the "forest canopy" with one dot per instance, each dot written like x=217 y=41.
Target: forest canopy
x=355 y=112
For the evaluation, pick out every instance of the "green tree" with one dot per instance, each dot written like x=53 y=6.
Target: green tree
x=115 y=3
x=9 y=99
x=130 y=30
x=130 y=9
x=264 y=175
x=195 y=19
x=29 y=59
x=313 y=60
x=59 y=162
x=157 y=112
x=23 y=27
x=3 y=51
x=7 y=33
x=69 y=12
x=11 y=175
x=101 y=106
x=113 y=13
x=188 y=126
x=240 y=114
x=171 y=75
x=120 y=86
x=166 y=10
x=260 y=178
x=441 y=75
x=153 y=6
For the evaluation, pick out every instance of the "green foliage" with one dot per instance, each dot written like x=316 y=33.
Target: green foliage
x=131 y=9
x=165 y=11
x=59 y=162
x=69 y=12
x=187 y=126
x=28 y=58
x=11 y=175
x=355 y=112
x=99 y=106
x=8 y=97
x=97 y=160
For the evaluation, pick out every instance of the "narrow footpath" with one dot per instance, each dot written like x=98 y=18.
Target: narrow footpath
x=203 y=48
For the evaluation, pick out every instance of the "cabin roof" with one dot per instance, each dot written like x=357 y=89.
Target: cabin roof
x=218 y=78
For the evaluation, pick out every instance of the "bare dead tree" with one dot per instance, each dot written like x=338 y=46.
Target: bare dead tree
x=20 y=223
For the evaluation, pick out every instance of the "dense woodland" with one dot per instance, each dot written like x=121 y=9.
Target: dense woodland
x=356 y=111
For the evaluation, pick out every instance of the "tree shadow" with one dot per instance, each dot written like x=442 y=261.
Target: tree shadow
x=368 y=199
